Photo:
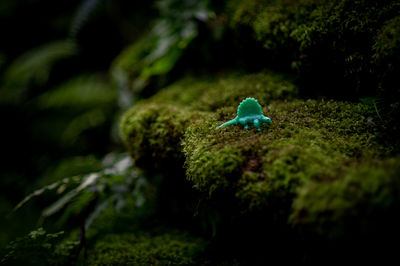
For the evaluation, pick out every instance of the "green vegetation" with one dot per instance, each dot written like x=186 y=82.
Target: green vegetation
x=318 y=168
x=173 y=248
x=333 y=39
x=110 y=110
x=360 y=202
x=158 y=51
x=39 y=248
x=154 y=130
x=309 y=141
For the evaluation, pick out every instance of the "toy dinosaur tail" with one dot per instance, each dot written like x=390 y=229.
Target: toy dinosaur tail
x=231 y=122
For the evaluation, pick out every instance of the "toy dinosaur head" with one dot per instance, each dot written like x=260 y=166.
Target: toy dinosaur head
x=249 y=107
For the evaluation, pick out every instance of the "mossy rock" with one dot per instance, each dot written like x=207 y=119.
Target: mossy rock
x=349 y=43
x=361 y=202
x=309 y=142
x=173 y=248
x=153 y=130
x=307 y=139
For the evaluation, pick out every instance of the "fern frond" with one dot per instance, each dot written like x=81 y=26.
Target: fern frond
x=56 y=185
x=59 y=204
x=109 y=187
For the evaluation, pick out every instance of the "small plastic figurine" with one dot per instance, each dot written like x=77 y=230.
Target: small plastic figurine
x=249 y=112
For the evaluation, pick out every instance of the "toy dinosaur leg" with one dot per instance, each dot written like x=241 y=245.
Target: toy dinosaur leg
x=257 y=123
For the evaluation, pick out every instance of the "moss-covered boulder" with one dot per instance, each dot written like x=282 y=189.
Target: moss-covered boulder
x=154 y=129
x=360 y=202
x=312 y=168
x=349 y=43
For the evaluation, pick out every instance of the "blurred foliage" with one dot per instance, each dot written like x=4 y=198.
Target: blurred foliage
x=79 y=93
x=55 y=96
x=33 y=69
x=80 y=200
x=98 y=190
x=157 y=52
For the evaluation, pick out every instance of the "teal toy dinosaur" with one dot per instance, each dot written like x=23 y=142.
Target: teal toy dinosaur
x=249 y=112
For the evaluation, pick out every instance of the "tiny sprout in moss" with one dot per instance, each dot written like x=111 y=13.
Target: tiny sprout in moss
x=249 y=112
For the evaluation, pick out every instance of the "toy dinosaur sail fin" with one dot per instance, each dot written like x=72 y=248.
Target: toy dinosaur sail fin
x=249 y=107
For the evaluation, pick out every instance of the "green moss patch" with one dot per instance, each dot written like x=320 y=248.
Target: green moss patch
x=360 y=202
x=173 y=248
x=308 y=140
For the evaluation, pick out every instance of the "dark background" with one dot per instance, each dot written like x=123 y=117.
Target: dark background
x=34 y=152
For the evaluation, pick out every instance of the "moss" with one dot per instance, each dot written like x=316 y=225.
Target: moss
x=323 y=39
x=308 y=140
x=154 y=133
x=359 y=202
x=173 y=248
